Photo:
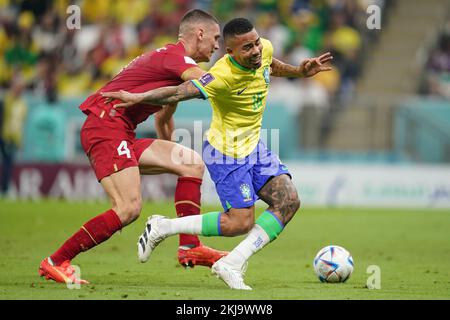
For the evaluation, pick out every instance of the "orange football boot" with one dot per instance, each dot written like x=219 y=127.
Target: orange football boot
x=64 y=273
x=199 y=256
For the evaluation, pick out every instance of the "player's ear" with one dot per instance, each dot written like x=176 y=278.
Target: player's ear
x=200 y=33
x=229 y=50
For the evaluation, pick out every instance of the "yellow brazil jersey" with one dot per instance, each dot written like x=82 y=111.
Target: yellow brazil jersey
x=238 y=99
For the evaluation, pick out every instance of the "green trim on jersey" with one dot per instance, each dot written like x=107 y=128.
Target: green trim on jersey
x=237 y=65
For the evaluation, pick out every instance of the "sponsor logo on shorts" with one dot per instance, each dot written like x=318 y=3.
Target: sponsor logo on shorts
x=246 y=192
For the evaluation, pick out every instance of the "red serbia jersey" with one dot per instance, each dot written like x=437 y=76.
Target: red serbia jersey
x=160 y=68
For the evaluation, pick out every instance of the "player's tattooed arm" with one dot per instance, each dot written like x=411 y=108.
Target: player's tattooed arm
x=281 y=196
x=160 y=96
x=308 y=68
x=281 y=69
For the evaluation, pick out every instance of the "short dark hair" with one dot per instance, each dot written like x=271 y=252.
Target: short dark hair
x=237 y=27
x=196 y=15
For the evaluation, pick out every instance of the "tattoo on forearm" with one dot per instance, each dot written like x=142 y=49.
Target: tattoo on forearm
x=172 y=95
x=280 y=69
x=160 y=96
x=186 y=91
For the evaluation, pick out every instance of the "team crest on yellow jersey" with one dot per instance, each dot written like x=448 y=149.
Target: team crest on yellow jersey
x=266 y=74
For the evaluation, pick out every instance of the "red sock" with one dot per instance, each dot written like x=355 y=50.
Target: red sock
x=92 y=233
x=187 y=203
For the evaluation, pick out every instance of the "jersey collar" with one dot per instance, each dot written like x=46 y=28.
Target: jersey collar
x=180 y=44
x=237 y=65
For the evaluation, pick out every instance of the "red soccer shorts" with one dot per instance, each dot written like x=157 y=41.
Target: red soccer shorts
x=110 y=145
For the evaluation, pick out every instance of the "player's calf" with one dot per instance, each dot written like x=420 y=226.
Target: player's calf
x=124 y=190
x=289 y=207
x=281 y=196
x=191 y=164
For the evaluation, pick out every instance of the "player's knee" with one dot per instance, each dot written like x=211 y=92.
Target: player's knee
x=195 y=167
x=135 y=209
x=198 y=166
x=198 y=169
x=130 y=210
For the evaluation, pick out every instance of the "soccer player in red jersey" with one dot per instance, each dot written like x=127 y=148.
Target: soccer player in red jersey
x=118 y=158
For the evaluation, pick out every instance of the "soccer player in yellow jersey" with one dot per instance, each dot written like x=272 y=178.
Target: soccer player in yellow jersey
x=241 y=166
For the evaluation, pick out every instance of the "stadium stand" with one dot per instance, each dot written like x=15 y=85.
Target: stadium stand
x=331 y=117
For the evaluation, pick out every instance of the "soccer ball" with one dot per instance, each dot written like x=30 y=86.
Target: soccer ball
x=333 y=264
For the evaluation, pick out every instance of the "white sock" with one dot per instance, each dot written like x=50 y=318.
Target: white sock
x=187 y=225
x=256 y=239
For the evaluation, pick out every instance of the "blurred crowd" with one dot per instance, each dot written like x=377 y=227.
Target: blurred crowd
x=37 y=46
x=43 y=52
x=437 y=75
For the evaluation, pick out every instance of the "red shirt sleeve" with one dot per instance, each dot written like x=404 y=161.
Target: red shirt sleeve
x=177 y=64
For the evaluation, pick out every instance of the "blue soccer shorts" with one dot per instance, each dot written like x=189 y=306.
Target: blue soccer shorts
x=239 y=180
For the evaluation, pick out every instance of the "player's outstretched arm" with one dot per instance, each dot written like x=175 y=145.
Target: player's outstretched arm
x=160 y=96
x=307 y=68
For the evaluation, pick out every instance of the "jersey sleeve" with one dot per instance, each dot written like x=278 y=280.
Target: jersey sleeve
x=177 y=64
x=210 y=85
x=268 y=50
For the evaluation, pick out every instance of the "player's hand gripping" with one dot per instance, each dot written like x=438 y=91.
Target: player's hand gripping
x=313 y=66
x=128 y=99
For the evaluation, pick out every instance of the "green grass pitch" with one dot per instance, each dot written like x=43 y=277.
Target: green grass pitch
x=411 y=247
